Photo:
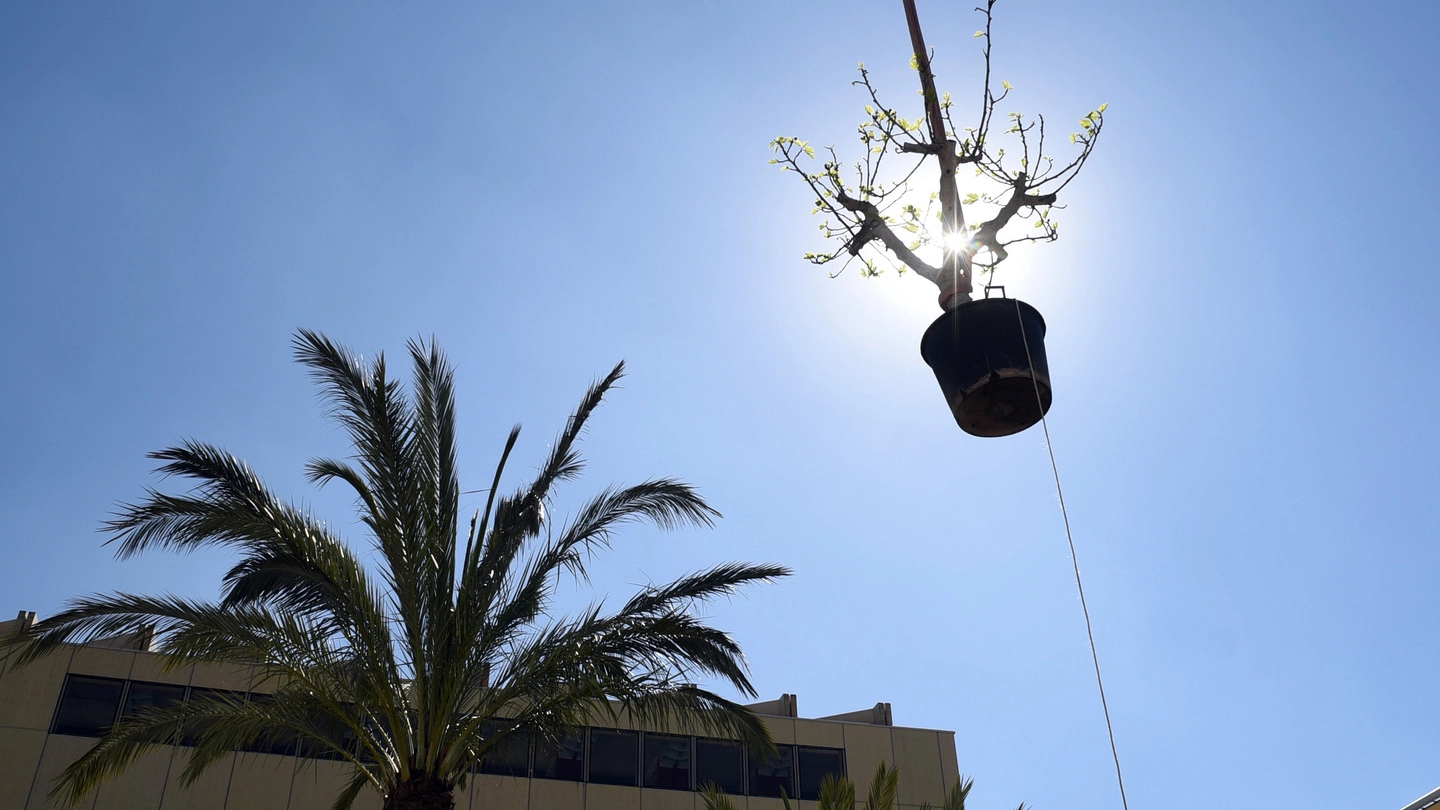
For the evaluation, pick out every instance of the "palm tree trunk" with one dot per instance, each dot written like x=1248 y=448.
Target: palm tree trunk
x=422 y=792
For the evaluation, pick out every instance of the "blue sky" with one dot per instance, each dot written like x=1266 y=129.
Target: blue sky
x=1241 y=318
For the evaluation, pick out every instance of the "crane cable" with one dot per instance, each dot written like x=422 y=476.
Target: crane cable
x=1074 y=559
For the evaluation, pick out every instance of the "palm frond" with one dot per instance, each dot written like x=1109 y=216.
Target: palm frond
x=959 y=792
x=837 y=793
x=321 y=471
x=665 y=503
x=400 y=668
x=563 y=464
x=884 y=788
x=231 y=506
x=699 y=711
x=724 y=579
x=479 y=592
x=715 y=798
x=345 y=799
x=433 y=442
x=122 y=745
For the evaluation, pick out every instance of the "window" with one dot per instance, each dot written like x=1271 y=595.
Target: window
x=722 y=763
x=201 y=694
x=511 y=757
x=198 y=693
x=145 y=695
x=815 y=764
x=279 y=742
x=90 y=705
x=769 y=777
x=87 y=706
x=142 y=696
x=614 y=756
x=333 y=729
x=561 y=759
x=667 y=762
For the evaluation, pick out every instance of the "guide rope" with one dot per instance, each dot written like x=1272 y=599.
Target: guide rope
x=1074 y=560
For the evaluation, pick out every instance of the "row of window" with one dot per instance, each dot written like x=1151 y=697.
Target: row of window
x=90 y=705
x=617 y=757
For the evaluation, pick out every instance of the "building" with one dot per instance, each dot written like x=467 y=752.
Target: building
x=52 y=711
x=1427 y=802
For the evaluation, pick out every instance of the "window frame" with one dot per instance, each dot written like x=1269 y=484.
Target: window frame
x=645 y=760
x=695 y=780
x=590 y=758
x=578 y=732
x=519 y=733
x=70 y=679
x=753 y=781
x=800 y=779
x=290 y=739
x=188 y=737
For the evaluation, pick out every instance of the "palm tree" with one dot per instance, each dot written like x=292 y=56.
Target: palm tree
x=412 y=667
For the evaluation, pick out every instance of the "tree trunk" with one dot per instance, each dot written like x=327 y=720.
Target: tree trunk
x=422 y=792
x=955 y=281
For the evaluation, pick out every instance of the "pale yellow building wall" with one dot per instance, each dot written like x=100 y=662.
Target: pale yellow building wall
x=141 y=786
x=101 y=662
x=22 y=748
x=28 y=695
x=31 y=758
x=866 y=747
x=487 y=792
x=670 y=800
x=206 y=793
x=260 y=781
x=59 y=752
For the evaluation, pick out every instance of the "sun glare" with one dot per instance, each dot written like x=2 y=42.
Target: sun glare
x=955 y=241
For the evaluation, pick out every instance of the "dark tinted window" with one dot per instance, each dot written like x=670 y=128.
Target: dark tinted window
x=201 y=694
x=815 y=764
x=667 y=762
x=279 y=741
x=88 y=706
x=721 y=763
x=141 y=696
x=770 y=776
x=144 y=695
x=561 y=759
x=614 y=756
x=511 y=757
x=335 y=732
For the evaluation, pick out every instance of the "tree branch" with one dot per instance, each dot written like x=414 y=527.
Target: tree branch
x=987 y=235
x=873 y=226
x=862 y=212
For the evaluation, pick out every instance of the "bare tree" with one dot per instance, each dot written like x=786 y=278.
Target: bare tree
x=879 y=204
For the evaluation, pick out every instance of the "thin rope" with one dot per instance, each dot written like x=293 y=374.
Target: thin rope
x=1074 y=559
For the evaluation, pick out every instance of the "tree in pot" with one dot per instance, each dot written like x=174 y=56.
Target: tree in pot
x=413 y=668
x=988 y=357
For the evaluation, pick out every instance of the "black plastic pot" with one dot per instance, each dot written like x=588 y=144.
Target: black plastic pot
x=978 y=354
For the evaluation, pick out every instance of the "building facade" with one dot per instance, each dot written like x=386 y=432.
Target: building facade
x=1427 y=802
x=53 y=710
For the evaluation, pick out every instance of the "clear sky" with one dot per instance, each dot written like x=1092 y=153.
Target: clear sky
x=1242 y=338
